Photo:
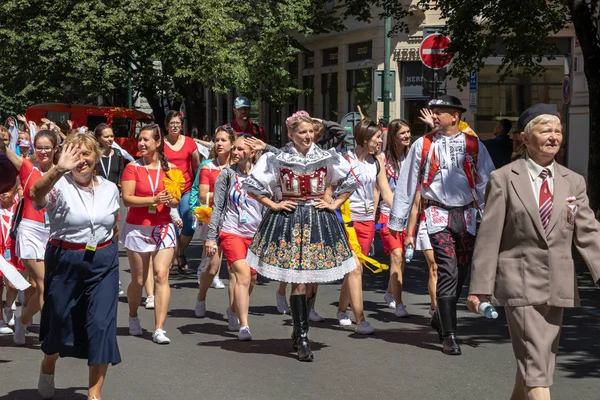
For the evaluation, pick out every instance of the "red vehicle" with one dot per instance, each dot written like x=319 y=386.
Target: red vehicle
x=125 y=122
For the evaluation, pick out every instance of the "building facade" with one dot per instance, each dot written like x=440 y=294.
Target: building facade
x=339 y=71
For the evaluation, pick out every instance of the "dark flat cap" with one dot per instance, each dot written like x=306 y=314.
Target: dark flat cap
x=535 y=111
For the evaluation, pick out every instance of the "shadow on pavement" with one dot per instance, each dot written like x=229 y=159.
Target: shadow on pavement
x=187 y=313
x=206 y=328
x=32 y=394
x=276 y=347
x=146 y=334
x=31 y=341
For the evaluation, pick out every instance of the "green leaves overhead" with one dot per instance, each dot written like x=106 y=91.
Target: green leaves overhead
x=76 y=50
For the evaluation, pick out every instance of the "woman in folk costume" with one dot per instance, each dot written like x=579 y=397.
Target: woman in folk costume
x=300 y=239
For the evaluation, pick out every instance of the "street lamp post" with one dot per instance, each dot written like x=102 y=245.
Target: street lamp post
x=387 y=84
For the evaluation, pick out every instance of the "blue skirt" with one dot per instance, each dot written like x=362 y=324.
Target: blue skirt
x=79 y=317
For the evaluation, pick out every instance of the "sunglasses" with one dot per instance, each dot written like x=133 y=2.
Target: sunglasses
x=226 y=127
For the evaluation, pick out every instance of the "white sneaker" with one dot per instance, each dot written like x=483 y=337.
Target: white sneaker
x=315 y=317
x=20 y=332
x=150 y=303
x=200 y=309
x=14 y=304
x=10 y=316
x=233 y=323
x=46 y=385
x=121 y=292
x=135 y=326
x=401 y=311
x=4 y=328
x=217 y=283
x=160 y=337
x=344 y=319
x=244 y=334
x=282 y=304
x=389 y=300
x=364 y=328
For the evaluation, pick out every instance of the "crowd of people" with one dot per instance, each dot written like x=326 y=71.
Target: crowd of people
x=276 y=213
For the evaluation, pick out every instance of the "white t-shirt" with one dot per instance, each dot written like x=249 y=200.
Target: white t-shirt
x=392 y=177
x=241 y=207
x=71 y=209
x=361 y=200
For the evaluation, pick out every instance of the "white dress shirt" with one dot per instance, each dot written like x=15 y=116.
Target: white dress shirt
x=535 y=170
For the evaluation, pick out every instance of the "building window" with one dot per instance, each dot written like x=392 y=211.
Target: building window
x=308 y=83
x=508 y=99
x=360 y=51
x=360 y=89
x=309 y=59
x=329 y=91
x=330 y=56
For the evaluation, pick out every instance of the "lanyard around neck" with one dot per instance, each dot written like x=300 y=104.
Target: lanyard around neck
x=155 y=186
x=91 y=212
x=107 y=170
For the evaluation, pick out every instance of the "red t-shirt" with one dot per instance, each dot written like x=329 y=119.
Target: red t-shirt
x=6 y=243
x=183 y=160
x=28 y=211
x=208 y=176
x=250 y=129
x=140 y=215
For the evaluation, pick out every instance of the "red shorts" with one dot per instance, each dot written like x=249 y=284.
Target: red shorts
x=365 y=232
x=390 y=243
x=235 y=248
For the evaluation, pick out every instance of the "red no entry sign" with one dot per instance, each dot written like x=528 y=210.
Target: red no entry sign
x=432 y=51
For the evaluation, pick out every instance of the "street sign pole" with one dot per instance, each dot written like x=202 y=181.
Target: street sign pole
x=386 y=69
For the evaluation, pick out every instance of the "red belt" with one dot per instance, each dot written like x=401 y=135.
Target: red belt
x=75 y=246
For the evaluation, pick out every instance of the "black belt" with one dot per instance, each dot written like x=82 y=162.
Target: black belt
x=433 y=203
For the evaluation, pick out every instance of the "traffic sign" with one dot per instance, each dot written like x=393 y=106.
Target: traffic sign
x=566 y=89
x=473 y=81
x=433 y=51
x=348 y=122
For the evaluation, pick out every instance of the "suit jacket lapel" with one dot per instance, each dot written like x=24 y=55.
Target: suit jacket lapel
x=559 y=200
x=522 y=184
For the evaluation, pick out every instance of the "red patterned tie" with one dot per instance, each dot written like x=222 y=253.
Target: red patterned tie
x=545 y=200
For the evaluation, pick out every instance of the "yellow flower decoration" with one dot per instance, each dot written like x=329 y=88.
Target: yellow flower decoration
x=174 y=183
x=203 y=214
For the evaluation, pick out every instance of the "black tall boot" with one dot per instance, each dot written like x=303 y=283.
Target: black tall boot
x=447 y=312
x=300 y=311
x=435 y=324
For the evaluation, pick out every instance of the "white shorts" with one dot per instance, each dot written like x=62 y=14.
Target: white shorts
x=32 y=238
x=147 y=239
x=422 y=242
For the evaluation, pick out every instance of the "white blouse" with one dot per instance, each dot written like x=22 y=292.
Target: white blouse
x=362 y=201
x=73 y=210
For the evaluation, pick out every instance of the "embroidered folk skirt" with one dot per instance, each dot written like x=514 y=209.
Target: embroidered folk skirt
x=306 y=245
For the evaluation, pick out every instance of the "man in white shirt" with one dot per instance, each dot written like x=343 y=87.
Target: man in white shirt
x=451 y=169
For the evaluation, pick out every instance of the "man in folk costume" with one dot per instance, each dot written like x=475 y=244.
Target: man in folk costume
x=536 y=210
x=450 y=169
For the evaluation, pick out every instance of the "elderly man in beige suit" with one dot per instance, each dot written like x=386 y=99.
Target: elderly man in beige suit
x=535 y=211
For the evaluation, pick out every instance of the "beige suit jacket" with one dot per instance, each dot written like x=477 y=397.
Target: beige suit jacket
x=518 y=262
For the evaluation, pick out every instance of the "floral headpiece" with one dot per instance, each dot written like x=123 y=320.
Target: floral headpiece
x=295 y=115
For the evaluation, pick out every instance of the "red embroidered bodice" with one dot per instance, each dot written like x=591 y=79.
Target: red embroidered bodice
x=303 y=187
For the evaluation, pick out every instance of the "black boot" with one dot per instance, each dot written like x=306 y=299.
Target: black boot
x=447 y=312
x=435 y=324
x=300 y=312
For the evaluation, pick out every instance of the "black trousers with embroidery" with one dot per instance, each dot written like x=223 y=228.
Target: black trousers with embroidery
x=453 y=252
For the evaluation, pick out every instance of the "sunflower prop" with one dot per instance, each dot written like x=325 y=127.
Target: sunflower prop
x=203 y=214
x=464 y=127
x=174 y=183
x=367 y=262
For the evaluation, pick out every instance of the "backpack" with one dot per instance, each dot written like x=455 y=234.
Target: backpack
x=428 y=170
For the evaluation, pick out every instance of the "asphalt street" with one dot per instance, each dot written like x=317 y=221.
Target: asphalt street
x=402 y=360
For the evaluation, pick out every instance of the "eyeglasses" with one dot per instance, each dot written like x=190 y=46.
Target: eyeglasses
x=44 y=149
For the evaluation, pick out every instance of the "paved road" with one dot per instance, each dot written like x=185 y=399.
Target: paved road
x=401 y=361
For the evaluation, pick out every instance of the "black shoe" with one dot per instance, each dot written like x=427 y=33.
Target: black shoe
x=446 y=310
x=451 y=346
x=300 y=312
